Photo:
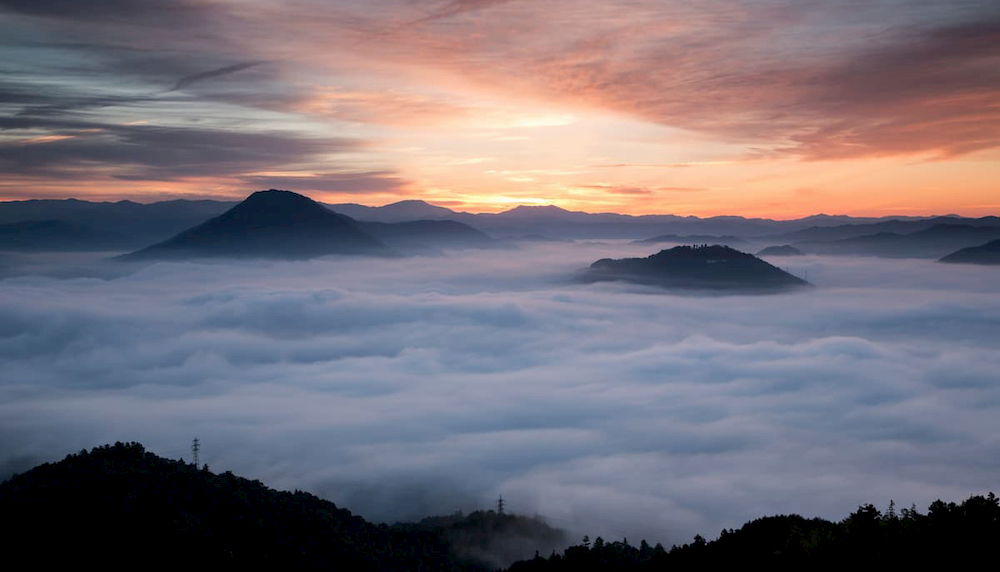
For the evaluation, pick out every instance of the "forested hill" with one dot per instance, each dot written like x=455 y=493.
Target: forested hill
x=948 y=536
x=121 y=506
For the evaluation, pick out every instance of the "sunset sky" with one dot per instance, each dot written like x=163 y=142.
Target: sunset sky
x=777 y=108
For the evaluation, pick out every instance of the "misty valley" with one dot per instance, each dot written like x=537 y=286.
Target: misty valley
x=627 y=385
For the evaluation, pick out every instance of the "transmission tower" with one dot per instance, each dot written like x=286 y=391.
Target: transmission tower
x=195 y=446
x=500 y=505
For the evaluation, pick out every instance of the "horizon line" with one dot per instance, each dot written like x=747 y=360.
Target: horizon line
x=218 y=199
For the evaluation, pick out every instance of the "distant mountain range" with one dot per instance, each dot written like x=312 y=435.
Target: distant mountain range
x=427 y=235
x=988 y=253
x=127 y=225
x=402 y=211
x=697 y=268
x=930 y=242
x=894 y=226
x=134 y=224
x=48 y=235
x=692 y=239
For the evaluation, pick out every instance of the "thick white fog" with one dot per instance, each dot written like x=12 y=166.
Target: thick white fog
x=404 y=388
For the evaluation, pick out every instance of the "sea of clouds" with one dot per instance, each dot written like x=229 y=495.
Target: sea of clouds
x=405 y=388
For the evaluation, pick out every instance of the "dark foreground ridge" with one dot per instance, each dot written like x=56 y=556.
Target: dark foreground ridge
x=697 y=268
x=269 y=224
x=120 y=506
x=988 y=253
x=947 y=536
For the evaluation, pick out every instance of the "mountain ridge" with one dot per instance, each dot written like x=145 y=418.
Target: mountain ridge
x=986 y=254
x=146 y=223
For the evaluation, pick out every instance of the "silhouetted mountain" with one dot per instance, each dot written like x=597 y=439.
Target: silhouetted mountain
x=269 y=224
x=932 y=242
x=56 y=235
x=700 y=267
x=120 y=506
x=421 y=235
x=783 y=250
x=692 y=239
x=988 y=253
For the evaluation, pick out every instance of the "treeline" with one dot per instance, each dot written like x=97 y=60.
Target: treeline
x=122 y=507
x=946 y=535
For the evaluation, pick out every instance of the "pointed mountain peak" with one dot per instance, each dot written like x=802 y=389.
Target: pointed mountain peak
x=271 y=224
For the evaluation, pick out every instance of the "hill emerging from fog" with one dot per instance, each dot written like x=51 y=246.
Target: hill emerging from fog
x=988 y=253
x=269 y=224
x=713 y=268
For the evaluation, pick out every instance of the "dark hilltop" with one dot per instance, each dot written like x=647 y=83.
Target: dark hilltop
x=269 y=224
x=713 y=268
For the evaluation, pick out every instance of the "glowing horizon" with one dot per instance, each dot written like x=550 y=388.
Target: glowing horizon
x=757 y=108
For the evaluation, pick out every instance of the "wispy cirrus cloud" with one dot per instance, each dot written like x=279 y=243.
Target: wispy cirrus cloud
x=761 y=81
x=139 y=152
x=209 y=74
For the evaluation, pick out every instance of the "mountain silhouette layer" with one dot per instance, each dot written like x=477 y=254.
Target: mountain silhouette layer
x=692 y=239
x=931 y=242
x=714 y=267
x=988 y=253
x=55 y=235
x=269 y=224
x=421 y=235
x=141 y=224
x=783 y=250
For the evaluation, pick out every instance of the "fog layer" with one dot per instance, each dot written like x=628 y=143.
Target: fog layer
x=426 y=385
